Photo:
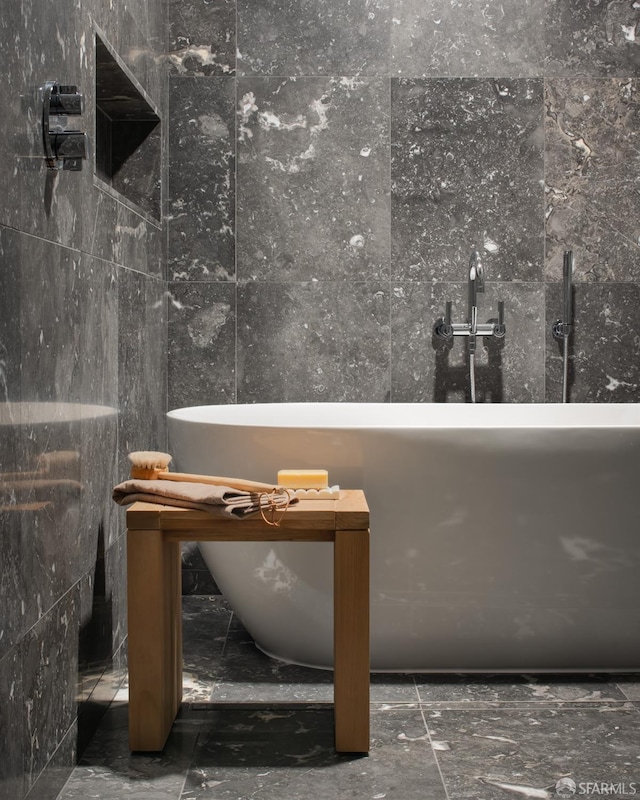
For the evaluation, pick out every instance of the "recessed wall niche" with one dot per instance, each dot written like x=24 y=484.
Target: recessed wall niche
x=128 y=135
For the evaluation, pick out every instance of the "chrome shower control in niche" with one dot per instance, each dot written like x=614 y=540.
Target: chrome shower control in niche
x=64 y=147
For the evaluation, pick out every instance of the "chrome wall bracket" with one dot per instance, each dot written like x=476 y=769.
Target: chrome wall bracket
x=64 y=148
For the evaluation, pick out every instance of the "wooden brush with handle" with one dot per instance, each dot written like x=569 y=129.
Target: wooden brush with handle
x=150 y=465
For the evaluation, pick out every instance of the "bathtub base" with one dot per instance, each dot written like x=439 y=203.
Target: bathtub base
x=154 y=534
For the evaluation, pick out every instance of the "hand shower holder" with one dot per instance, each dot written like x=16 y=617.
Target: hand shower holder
x=561 y=329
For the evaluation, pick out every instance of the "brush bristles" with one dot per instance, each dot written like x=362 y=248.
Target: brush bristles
x=149 y=459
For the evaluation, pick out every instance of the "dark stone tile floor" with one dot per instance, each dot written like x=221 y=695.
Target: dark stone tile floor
x=252 y=727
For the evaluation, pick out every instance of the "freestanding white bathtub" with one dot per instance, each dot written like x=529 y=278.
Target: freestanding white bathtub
x=504 y=537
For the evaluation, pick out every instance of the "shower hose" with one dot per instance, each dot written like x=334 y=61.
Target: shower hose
x=472 y=375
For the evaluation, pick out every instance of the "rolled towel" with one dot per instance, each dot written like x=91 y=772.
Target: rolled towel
x=221 y=501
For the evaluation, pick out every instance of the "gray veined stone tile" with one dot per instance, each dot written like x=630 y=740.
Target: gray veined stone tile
x=509 y=752
x=592 y=188
x=592 y=129
x=321 y=340
x=313 y=37
x=603 y=363
x=467 y=171
x=629 y=685
x=464 y=38
x=313 y=182
x=141 y=365
x=457 y=691
x=202 y=330
x=205 y=624
x=50 y=669
x=52 y=779
x=591 y=38
x=107 y=770
x=275 y=752
x=202 y=37
x=597 y=220
x=201 y=204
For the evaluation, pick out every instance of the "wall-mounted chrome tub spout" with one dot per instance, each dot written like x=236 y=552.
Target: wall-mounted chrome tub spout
x=472 y=328
x=562 y=327
x=64 y=148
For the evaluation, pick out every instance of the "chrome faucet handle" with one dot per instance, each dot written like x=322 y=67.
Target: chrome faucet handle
x=445 y=328
x=499 y=328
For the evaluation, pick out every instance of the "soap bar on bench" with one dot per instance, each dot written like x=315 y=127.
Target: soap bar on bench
x=303 y=478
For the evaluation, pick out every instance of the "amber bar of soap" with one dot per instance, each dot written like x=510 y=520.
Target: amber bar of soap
x=303 y=478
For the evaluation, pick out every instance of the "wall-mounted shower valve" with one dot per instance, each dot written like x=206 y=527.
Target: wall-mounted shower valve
x=63 y=148
x=66 y=100
x=68 y=144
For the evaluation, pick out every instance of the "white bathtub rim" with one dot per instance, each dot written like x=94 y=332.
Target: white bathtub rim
x=340 y=416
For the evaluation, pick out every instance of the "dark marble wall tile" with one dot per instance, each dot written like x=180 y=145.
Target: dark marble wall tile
x=120 y=235
x=426 y=368
x=53 y=778
x=138 y=35
x=99 y=393
x=313 y=162
x=33 y=199
x=202 y=344
x=64 y=244
x=12 y=725
x=592 y=129
x=49 y=321
x=591 y=38
x=312 y=38
x=60 y=206
x=597 y=220
x=592 y=186
x=10 y=340
x=14 y=587
x=201 y=205
x=202 y=37
x=142 y=379
x=49 y=669
x=321 y=341
x=116 y=590
x=603 y=350
x=466 y=170
x=441 y=38
x=95 y=645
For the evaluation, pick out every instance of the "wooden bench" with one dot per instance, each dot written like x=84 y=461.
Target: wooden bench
x=154 y=534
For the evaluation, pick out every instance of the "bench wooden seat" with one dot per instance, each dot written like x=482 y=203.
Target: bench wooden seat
x=154 y=534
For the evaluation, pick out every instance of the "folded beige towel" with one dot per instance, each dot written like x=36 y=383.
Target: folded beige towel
x=222 y=501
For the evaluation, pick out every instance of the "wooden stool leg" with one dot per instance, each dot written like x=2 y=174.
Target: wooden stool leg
x=351 y=641
x=155 y=637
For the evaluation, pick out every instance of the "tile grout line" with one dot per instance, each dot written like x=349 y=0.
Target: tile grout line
x=434 y=753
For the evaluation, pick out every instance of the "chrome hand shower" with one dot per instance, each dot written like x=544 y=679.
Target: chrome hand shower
x=562 y=327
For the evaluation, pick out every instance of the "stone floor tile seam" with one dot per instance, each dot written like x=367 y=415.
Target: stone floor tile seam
x=525 y=705
x=631 y=696
x=435 y=755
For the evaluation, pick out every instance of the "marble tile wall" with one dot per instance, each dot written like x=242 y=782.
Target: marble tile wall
x=82 y=381
x=314 y=241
